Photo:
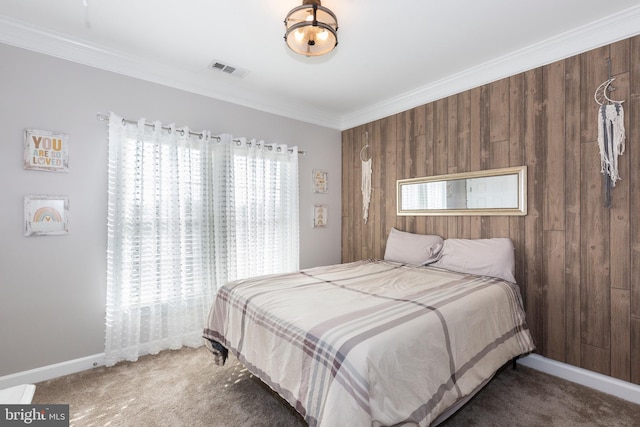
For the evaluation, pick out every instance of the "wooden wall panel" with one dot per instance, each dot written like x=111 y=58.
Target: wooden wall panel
x=596 y=359
x=633 y=105
x=387 y=134
x=554 y=141
x=475 y=151
x=572 y=193
x=555 y=306
x=405 y=164
x=452 y=141
x=534 y=284
x=635 y=349
x=517 y=158
x=376 y=217
x=358 y=233
x=463 y=224
x=463 y=131
x=620 y=249
x=620 y=334
x=347 y=210
x=499 y=110
x=440 y=148
x=594 y=258
x=440 y=154
x=595 y=252
x=578 y=262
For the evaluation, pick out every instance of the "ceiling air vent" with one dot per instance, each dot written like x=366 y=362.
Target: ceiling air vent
x=228 y=69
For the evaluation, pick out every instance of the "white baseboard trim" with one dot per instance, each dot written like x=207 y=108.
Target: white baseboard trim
x=606 y=384
x=44 y=373
x=622 y=389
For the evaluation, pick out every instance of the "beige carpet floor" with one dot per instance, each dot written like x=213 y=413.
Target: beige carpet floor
x=185 y=388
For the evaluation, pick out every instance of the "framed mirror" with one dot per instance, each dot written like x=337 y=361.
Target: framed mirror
x=488 y=192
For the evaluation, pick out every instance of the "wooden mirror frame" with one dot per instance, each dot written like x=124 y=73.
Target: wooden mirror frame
x=521 y=209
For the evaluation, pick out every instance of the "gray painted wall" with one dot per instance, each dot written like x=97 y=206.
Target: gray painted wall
x=52 y=288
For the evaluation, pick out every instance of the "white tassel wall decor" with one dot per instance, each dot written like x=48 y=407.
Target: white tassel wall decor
x=611 y=136
x=366 y=180
x=611 y=139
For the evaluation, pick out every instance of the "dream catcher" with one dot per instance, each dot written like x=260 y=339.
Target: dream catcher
x=611 y=136
x=365 y=158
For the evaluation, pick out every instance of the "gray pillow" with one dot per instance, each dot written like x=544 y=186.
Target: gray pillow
x=410 y=248
x=484 y=257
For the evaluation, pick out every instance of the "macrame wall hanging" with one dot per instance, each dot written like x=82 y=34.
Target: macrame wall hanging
x=365 y=158
x=611 y=135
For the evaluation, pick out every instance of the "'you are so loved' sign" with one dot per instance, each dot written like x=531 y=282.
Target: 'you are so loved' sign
x=46 y=151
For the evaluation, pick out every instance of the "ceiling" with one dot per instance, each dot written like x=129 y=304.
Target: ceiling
x=392 y=55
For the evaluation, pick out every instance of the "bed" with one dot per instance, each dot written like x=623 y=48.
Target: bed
x=373 y=342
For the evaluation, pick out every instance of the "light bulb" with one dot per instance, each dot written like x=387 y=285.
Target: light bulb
x=323 y=35
x=299 y=35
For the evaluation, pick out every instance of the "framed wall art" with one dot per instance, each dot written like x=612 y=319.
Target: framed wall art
x=46 y=151
x=320 y=181
x=46 y=215
x=320 y=216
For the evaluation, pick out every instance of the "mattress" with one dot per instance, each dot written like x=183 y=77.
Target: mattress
x=370 y=343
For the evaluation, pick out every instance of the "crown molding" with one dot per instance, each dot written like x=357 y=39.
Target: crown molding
x=28 y=37
x=608 y=30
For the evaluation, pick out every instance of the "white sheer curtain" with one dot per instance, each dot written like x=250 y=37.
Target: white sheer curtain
x=265 y=209
x=256 y=198
x=186 y=213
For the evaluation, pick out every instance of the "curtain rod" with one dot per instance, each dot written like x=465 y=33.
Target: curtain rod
x=104 y=118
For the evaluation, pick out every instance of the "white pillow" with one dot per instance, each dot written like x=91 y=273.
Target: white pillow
x=483 y=257
x=410 y=248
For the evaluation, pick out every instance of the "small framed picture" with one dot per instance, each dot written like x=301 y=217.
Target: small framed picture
x=46 y=215
x=320 y=216
x=320 y=181
x=46 y=151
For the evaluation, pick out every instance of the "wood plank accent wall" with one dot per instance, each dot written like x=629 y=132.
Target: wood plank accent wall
x=577 y=262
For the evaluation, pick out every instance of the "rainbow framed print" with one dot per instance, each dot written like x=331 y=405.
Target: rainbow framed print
x=320 y=213
x=46 y=215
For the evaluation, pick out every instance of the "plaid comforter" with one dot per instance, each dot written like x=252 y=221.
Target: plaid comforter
x=370 y=343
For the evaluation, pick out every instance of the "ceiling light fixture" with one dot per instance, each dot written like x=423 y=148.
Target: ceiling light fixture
x=311 y=29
